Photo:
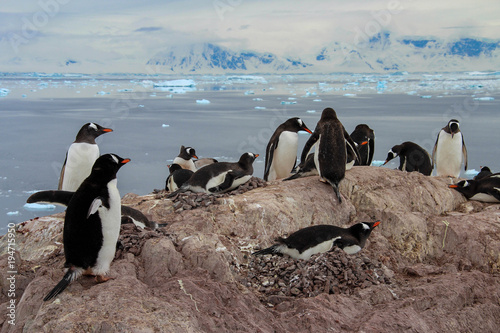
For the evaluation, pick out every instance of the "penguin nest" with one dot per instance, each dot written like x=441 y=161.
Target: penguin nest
x=191 y=200
x=274 y=278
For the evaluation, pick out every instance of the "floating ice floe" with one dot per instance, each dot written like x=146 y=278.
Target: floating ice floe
x=288 y=102
x=36 y=207
x=311 y=111
x=4 y=92
x=484 y=98
x=317 y=100
x=202 y=101
x=15 y=213
x=249 y=92
x=260 y=107
x=125 y=90
x=247 y=78
x=471 y=173
x=175 y=83
x=257 y=99
x=426 y=96
x=350 y=95
x=165 y=125
x=102 y=93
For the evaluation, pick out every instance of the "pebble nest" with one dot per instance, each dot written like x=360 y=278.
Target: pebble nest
x=191 y=200
x=273 y=277
x=132 y=239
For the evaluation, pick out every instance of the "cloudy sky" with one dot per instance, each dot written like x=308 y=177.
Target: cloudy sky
x=121 y=35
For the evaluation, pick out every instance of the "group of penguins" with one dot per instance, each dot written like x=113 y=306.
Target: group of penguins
x=88 y=186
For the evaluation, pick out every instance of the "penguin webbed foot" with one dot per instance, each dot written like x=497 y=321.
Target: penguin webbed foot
x=102 y=278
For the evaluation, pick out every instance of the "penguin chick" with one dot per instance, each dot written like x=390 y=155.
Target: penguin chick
x=281 y=151
x=80 y=157
x=308 y=241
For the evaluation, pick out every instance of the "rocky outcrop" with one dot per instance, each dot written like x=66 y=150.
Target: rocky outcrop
x=432 y=265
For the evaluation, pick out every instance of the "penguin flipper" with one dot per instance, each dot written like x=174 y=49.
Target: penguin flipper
x=351 y=144
x=54 y=197
x=464 y=152
x=433 y=156
x=61 y=176
x=495 y=191
x=71 y=275
x=94 y=206
x=226 y=184
x=308 y=146
x=270 y=250
x=269 y=157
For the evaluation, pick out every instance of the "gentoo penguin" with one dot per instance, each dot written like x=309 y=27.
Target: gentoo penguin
x=352 y=154
x=305 y=242
x=281 y=151
x=184 y=158
x=220 y=177
x=201 y=162
x=330 y=157
x=485 y=189
x=80 y=157
x=306 y=169
x=485 y=172
x=132 y=215
x=412 y=157
x=178 y=176
x=92 y=222
x=448 y=150
x=364 y=136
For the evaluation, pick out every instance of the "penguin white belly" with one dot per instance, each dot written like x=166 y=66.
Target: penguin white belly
x=172 y=186
x=449 y=154
x=285 y=156
x=484 y=197
x=110 y=223
x=319 y=248
x=316 y=155
x=81 y=157
x=352 y=249
x=239 y=181
x=185 y=164
x=216 y=181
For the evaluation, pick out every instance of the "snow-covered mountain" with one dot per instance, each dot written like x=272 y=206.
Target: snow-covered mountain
x=213 y=59
x=379 y=53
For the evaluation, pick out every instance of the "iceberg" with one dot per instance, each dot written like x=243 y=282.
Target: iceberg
x=377 y=163
x=4 y=92
x=15 y=213
x=471 y=173
x=36 y=207
x=175 y=83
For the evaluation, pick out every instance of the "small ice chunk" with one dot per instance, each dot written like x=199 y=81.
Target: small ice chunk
x=140 y=105
x=413 y=92
x=202 y=101
x=169 y=96
x=15 y=213
x=311 y=111
x=125 y=90
x=36 y=207
x=4 y=92
x=484 y=98
x=257 y=99
x=260 y=107
x=426 y=96
x=175 y=83
x=288 y=102
x=317 y=100
x=102 y=93
x=377 y=163
x=471 y=173
x=249 y=92
x=165 y=125
x=350 y=95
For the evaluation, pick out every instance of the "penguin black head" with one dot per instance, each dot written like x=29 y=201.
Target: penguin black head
x=364 y=228
x=90 y=131
x=248 y=158
x=107 y=165
x=393 y=153
x=174 y=167
x=187 y=153
x=465 y=187
x=453 y=126
x=328 y=113
x=460 y=185
x=296 y=124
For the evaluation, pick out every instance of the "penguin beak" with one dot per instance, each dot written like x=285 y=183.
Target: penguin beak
x=376 y=224
x=195 y=156
x=307 y=130
x=363 y=143
x=386 y=161
x=107 y=130
x=256 y=155
x=125 y=161
x=453 y=186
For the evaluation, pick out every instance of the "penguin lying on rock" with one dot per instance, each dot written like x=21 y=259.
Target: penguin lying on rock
x=220 y=177
x=91 y=224
x=486 y=189
x=305 y=242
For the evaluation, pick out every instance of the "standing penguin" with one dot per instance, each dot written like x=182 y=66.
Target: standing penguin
x=412 y=157
x=220 y=177
x=184 y=158
x=92 y=222
x=330 y=155
x=448 y=150
x=305 y=242
x=281 y=151
x=80 y=157
x=364 y=136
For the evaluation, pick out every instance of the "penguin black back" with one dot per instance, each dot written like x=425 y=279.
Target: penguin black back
x=412 y=157
x=485 y=172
